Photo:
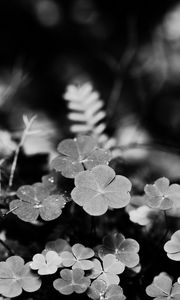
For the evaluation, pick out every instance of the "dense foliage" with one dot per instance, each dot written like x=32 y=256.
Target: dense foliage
x=95 y=263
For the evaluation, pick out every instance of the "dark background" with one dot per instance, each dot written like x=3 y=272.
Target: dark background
x=56 y=42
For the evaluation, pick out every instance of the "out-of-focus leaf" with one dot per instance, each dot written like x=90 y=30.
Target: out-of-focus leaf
x=71 y=281
x=172 y=247
x=100 y=188
x=50 y=181
x=34 y=201
x=162 y=195
x=15 y=276
x=76 y=155
x=141 y=215
x=58 y=246
x=79 y=258
x=139 y=212
x=7 y=145
x=46 y=264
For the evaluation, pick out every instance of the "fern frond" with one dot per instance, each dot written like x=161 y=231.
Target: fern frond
x=86 y=112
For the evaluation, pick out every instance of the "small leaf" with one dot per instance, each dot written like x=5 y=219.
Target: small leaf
x=97 y=289
x=125 y=250
x=161 y=287
x=112 y=265
x=16 y=276
x=172 y=247
x=46 y=264
x=77 y=155
x=34 y=201
x=78 y=258
x=71 y=281
x=100 y=188
x=114 y=292
x=175 y=293
x=162 y=195
x=108 y=270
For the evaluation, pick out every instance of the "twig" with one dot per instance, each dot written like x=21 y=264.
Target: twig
x=28 y=124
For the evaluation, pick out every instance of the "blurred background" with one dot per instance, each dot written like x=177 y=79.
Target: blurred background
x=128 y=50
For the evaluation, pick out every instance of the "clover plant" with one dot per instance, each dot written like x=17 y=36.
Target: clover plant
x=95 y=263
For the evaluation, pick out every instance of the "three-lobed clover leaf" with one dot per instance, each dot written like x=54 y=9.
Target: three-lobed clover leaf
x=100 y=290
x=34 y=201
x=71 y=281
x=162 y=195
x=162 y=288
x=15 y=276
x=79 y=258
x=114 y=292
x=125 y=250
x=172 y=247
x=100 y=188
x=46 y=264
x=107 y=271
x=97 y=289
x=76 y=155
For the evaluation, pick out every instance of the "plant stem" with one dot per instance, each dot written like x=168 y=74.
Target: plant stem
x=167 y=228
x=13 y=167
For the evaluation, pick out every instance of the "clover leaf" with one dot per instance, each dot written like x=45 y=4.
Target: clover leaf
x=78 y=258
x=46 y=264
x=100 y=188
x=76 y=155
x=162 y=195
x=125 y=250
x=15 y=276
x=111 y=267
x=114 y=292
x=58 y=246
x=162 y=288
x=172 y=247
x=71 y=281
x=34 y=201
x=108 y=270
x=99 y=290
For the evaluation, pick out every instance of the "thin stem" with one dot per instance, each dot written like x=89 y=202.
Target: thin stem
x=13 y=167
x=167 y=228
